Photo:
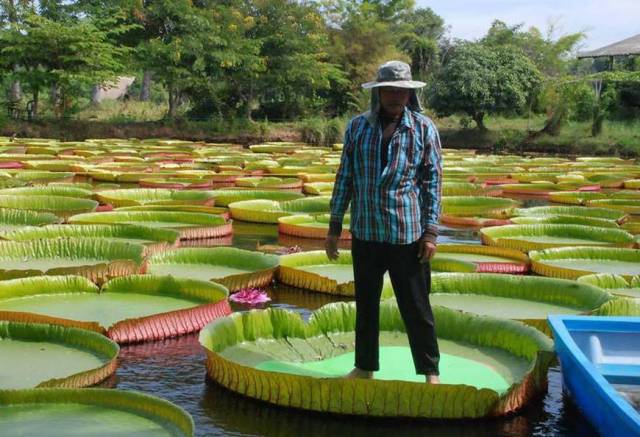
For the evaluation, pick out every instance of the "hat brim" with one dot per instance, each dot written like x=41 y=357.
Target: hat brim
x=409 y=84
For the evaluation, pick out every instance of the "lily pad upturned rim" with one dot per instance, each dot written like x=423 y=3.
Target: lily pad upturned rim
x=289 y=273
x=26 y=217
x=226 y=196
x=486 y=206
x=358 y=397
x=298 y=226
x=211 y=298
x=584 y=297
x=605 y=213
x=120 y=258
x=61 y=206
x=522 y=266
x=269 y=211
x=201 y=225
x=138 y=196
x=584 y=252
x=74 y=337
x=261 y=267
x=97 y=230
x=150 y=407
x=514 y=236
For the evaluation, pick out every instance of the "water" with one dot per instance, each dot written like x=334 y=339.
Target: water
x=175 y=370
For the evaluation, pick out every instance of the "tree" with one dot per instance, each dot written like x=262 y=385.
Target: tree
x=294 y=48
x=549 y=52
x=64 y=54
x=479 y=80
x=420 y=30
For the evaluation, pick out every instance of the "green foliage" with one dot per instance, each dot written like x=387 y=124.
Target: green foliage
x=548 y=54
x=321 y=131
x=480 y=79
x=59 y=54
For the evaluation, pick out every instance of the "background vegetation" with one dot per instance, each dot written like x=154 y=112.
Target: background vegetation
x=283 y=68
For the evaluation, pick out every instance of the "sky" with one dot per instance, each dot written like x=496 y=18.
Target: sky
x=604 y=21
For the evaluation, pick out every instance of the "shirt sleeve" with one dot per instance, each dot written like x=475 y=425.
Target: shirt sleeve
x=343 y=186
x=431 y=189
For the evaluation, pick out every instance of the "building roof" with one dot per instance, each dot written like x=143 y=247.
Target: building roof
x=626 y=47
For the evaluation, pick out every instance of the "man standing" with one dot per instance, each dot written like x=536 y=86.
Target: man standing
x=391 y=173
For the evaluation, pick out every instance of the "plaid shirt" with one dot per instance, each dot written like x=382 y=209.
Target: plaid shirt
x=399 y=203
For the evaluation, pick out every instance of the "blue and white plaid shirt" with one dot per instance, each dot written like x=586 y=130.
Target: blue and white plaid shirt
x=401 y=202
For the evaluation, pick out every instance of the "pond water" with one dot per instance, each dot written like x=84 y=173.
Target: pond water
x=175 y=370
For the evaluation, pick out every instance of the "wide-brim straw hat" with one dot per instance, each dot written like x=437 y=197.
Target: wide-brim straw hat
x=395 y=74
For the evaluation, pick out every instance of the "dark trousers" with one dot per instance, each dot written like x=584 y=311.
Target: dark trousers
x=411 y=282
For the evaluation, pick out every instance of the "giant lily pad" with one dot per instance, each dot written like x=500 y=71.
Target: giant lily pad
x=576 y=197
x=535 y=237
x=486 y=259
x=50 y=190
x=39 y=355
x=154 y=239
x=630 y=206
x=36 y=177
x=140 y=196
x=190 y=225
x=269 y=211
x=573 y=262
x=318 y=188
x=234 y=268
x=312 y=270
x=64 y=412
x=603 y=213
x=468 y=189
x=225 y=197
x=61 y=206
x=96 y=259
x=11 y=219
x=488 y=366
x=613 y=283
x=270 y=182
x=307 y=226
x=470 y=206
x=128 y=309
x=564 y=220
x=526 y=298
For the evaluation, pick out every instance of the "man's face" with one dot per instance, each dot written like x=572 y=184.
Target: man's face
x=393 y=100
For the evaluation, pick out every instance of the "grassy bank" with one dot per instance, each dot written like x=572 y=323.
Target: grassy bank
x=504 y=135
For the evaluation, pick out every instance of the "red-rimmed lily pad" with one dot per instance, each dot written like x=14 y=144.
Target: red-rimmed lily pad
x=128 y=309
x=487 y=259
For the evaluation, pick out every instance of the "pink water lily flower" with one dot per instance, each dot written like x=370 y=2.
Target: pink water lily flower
x=250 y=296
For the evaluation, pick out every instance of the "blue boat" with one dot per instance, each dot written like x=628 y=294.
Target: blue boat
x=600 y=359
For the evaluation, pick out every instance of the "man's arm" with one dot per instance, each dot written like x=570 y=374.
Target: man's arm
x=343 y=186
x=431 y=189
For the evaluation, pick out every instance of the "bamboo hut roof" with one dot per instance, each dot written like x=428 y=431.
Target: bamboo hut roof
x=626 y=47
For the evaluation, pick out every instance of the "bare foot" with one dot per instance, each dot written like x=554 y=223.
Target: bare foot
x=432 y=379
x=359 y=374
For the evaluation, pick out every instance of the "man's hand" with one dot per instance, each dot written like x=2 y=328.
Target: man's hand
x=426 y=250
x=331 y=247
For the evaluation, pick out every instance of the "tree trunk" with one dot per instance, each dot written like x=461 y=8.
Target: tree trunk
x=173 y=102
x=478 y=117
x=15 y=93
x=95 y=95
x=36 y=104
x=145 y=90
x=249 y=103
